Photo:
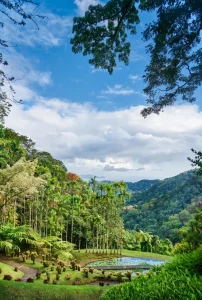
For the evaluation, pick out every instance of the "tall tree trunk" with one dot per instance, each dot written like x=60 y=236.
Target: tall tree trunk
x=66 y=233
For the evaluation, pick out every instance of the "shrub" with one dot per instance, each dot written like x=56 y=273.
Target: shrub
x=31 y=280
x=86 y=272
x=48 y=276
x=73 y=264
x=7 y=277
x=46 y=281
x=57 y=277
x=61 y=263
x=38 y=275
x=167 y=285
x=19 y=280
x=119 y=276
x=54 y=281
x=46 y=264
x=68 y=276
x=24 y=257
x=188 y=261
x=128 y=274
x=33 y=256
x=76 y=281
x=101 y=283
x=58 y=269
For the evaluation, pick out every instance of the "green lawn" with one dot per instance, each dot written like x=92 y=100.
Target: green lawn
x=64 y=289
x=28 y=291
x=82 y=256
x=8 y=270
x=146 y=255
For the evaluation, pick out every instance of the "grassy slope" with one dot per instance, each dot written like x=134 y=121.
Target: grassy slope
x=83 y=257
x=29 y=291
x=38 y=290
x=8 y=270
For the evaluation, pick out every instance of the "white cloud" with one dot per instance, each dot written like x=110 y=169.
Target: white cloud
x=53 y=31
x=84 y=4
x=118 y=144
x=118 y=90
x=134 y=56
x=134 y=78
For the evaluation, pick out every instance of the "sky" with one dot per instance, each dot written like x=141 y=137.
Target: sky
x=87 y=118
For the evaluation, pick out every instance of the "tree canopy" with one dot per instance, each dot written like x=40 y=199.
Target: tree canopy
x=175 y=68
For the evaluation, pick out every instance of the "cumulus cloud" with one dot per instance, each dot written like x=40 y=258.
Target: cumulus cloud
x=134 y=56
x=134 y=78
x=112 y=168
x=50 y=31
x=84 y=4
x=97 y=142
x=118 y=90
x=89 y=176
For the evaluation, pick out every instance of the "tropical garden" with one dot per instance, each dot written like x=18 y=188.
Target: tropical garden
x=53 y=224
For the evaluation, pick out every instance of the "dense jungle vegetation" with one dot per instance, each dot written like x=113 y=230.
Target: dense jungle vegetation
x=166 y=206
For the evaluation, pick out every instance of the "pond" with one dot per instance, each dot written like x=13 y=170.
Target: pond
x=127 y=261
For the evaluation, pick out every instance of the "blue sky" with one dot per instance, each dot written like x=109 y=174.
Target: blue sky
x=86 y=117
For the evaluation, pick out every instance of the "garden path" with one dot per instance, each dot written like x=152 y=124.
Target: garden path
x=28 y=271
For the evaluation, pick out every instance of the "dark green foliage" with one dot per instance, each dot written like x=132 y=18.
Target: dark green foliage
x=170 y=286
x=165 y=207
x=187 y=261
x=175 y=66
x=192 y=234
x=141 y=185
x=197 y=161
x=106 y=40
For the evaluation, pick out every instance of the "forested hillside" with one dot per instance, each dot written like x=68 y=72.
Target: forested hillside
x=166 y=206
x=141 y=185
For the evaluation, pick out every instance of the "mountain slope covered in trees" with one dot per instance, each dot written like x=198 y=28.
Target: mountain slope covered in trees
x=166 y=206
x=142 y=185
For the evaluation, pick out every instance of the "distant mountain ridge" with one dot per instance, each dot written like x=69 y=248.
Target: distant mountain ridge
x=138 y=186
x=141 y=185
x=165 y=206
